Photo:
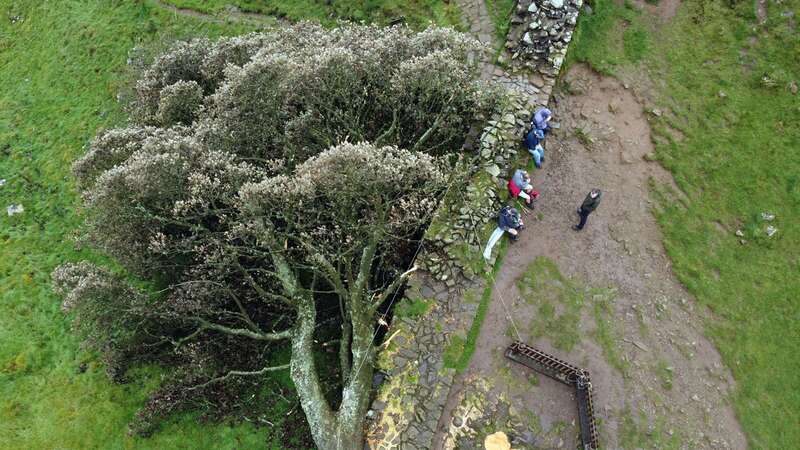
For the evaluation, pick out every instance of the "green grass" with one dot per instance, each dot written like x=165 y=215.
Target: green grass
x=558 y=301
x=413 y=307
x=637 y=434
x=61 y=66
x=604 y=38
x=584 y=137
x=735 y=156
x=452 y=353
x=468 y=347
x=416 y=13
x=500 y=11
x=606 y=335
x=635 y=43
x=665 y=374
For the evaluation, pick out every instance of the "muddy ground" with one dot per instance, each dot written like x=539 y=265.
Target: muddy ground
x=658 y=381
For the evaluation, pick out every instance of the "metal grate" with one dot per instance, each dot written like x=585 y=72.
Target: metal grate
x=568 y=374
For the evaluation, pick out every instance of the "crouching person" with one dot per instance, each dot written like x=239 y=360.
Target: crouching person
x=520 y=186
x=509 y=222
x=533 y=142
x=541 y=119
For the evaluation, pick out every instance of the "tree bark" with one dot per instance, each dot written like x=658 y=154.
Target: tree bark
x=321 y=420
x=343 y=429
x=356 y=393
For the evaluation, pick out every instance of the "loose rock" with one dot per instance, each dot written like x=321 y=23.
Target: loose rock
x=14 y=209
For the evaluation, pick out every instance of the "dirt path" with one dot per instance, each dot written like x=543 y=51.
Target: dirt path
x=231 y=14
x=477 y=20
x=674 y=387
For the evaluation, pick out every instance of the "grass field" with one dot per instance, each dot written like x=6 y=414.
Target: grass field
x=61 y=66
x=415 y=13
x=730 y=134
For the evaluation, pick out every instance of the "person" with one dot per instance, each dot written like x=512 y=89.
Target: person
x=533 y=143
x=509 y=221
x=520 y=186
x=587 y=207
x=541 y=119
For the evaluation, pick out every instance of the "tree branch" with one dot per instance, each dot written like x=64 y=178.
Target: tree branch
x=364 y=269
x=385 y=134
x=261 y=292
x=259 y=336
x=189 y=337
x=239 y=373
x=429 y=132
x=344 y=350
x=327 y=271
x=393 y=287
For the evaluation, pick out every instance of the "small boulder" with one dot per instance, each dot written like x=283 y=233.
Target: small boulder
x=14 y=209
x=493 y=170
x=527 y=38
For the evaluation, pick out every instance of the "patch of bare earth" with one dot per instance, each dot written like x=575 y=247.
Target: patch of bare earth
x=663 y=9
x=230 y=14
x=761 y=11
x=674 y=385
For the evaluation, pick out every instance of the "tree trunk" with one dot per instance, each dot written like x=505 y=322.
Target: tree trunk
x=348 y=437
x=304 y=375
x=343 y=430
x=356 y=393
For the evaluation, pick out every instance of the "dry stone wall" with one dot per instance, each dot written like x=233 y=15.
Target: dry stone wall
x=413 y=382
x=416 y=382
x=540 y=33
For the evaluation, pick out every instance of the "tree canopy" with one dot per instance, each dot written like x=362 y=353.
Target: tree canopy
x=268 y=187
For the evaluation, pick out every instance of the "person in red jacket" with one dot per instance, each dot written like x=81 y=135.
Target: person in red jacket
x=520 y=186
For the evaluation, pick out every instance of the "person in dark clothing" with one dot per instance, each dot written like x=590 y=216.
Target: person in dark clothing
x=510 y=222
x=587 y=207
x=533 y=144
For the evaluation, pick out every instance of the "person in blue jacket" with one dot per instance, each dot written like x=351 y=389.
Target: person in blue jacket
x=509 y=221
x=541 y=119
x=533 y=142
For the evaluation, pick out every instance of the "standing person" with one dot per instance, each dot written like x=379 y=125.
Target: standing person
x=541 y=119
x=533 y=144
x=587 y=207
